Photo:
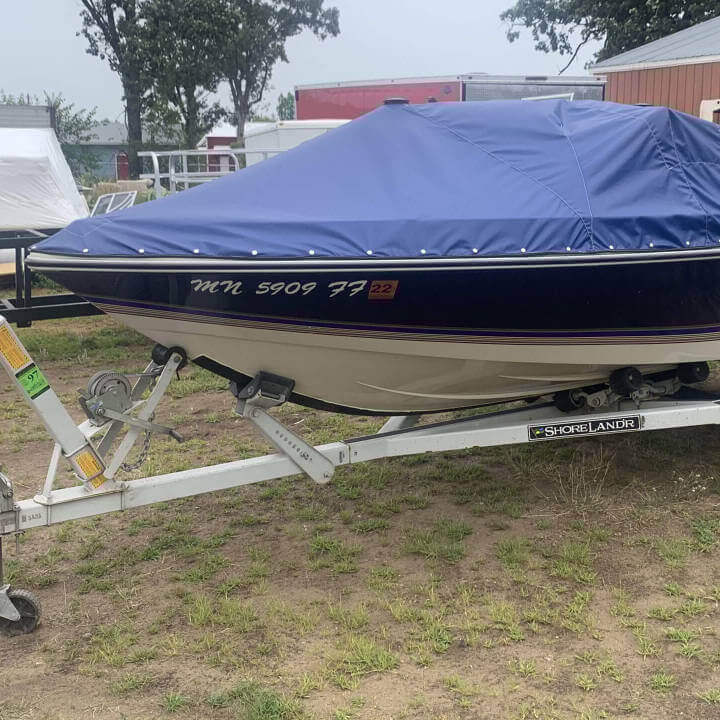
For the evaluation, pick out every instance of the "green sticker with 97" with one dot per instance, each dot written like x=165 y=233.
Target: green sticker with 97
x=32 y=380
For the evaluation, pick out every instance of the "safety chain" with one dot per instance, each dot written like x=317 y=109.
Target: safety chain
x=129 y=467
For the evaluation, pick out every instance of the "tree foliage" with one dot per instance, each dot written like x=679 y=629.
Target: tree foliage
x=73 y=127
x=114 y=32
x=184 y=60
x=286 y=107
x=564 y=26
x=171 y=56
x=257 y=31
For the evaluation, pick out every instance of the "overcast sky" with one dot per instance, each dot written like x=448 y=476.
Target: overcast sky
x=39 y=49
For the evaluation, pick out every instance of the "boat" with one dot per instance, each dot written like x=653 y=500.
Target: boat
x=432 y=257
x=37 y=195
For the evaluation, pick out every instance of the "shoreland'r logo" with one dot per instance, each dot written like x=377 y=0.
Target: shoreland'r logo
x=587 y=427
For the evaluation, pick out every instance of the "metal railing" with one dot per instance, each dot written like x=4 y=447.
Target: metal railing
x=179 y=163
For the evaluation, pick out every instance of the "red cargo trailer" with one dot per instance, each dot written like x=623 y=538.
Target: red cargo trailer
x=348 y=100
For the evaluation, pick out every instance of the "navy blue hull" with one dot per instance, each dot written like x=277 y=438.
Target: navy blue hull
x=561 y=300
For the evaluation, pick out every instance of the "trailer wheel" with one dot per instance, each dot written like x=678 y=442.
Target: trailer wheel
x=30 y=609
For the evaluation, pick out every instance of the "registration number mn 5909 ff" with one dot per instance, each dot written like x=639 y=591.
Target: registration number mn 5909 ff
x=373 y=290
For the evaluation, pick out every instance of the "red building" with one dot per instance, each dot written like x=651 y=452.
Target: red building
x=681 y=71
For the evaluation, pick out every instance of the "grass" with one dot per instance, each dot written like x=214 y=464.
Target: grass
x=131 y=682
x=371 y=525
x=444 y=541
x=208 y=566
x=523 y=668
x=673 y=551
x=513 y=553
x=711 y=697
x=349 y=618
x=692 y=607
x=662 y=682
x=382 y=578
x=706 y=532
x=662 y=613
x=196 y=380
x=681 y=636
x=333 y=553
x=685 y=638
x=203 y=610
x=581 y=482
x=361 y=655
x=256 y=702
x=585 y=682
x=645 y=646
x=107 y=343
x=111 y=645
x=504 y=617
x=172 y=702
x=573 y=561
x=608 y=668
x=690 y=650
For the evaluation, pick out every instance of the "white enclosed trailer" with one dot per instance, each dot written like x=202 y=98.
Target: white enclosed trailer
x=285 y=135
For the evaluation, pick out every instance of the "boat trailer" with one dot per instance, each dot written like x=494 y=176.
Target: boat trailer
x=114 y=405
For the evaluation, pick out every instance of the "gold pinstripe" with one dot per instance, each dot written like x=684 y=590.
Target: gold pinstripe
x=426 y=337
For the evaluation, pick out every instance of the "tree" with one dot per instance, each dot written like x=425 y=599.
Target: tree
x=286 y=107
x=114 y=31
x=257 y=31
x=565 y=26
x=72 y=127
x=184 y=59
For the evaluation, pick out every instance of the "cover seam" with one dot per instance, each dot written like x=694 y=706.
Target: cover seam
x=653 y=133
x=681 y=165
x=582 y=177
x=491 y=154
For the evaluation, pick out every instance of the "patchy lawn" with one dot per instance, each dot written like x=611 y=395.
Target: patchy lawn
x=574 y=579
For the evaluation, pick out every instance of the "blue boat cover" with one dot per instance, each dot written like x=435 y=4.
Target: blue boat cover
x=446 y=179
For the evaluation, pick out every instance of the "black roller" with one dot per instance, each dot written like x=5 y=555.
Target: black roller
x=690 y=373
x=567 y=401
x=161 y=355
x=625 y=381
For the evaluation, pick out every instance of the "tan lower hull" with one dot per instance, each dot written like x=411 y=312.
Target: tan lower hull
x=404 y=376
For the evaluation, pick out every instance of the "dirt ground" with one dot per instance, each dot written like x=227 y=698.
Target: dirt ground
x=574 y=579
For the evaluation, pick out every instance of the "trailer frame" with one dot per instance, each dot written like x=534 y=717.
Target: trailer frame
x=96 y=465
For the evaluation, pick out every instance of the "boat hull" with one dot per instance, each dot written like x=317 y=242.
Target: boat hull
x=417 y=336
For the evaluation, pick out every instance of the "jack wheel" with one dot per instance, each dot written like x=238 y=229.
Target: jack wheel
x=690 y=373
x=566 y=401
x=30 y=609
x=625 y=381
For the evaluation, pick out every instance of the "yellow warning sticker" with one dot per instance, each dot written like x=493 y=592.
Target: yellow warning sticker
x=89 y=464
x=96 y=482
x=12 y=350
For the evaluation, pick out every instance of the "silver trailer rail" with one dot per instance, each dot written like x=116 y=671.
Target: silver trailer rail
x=175 y=166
